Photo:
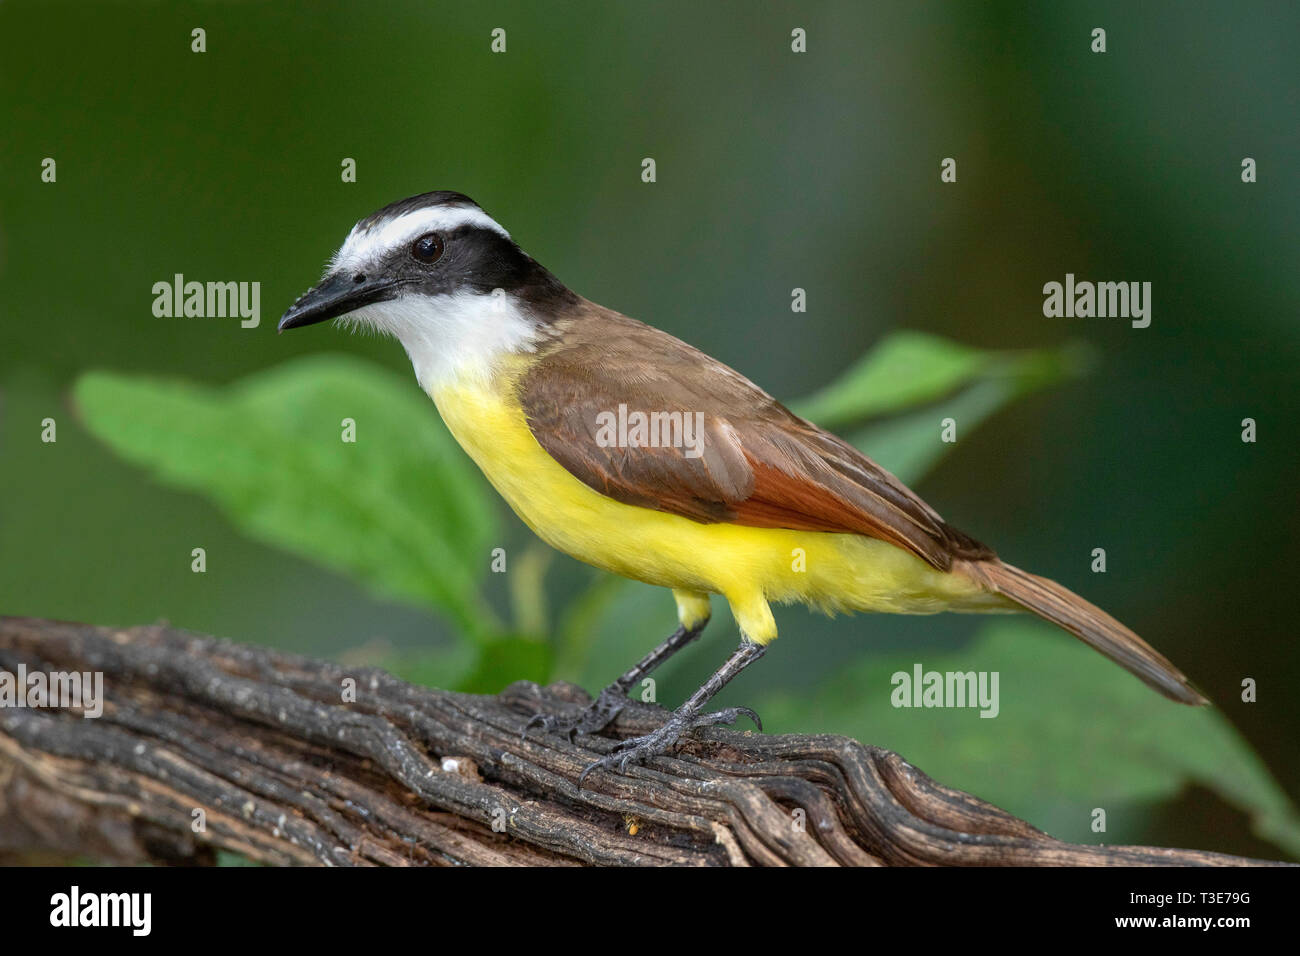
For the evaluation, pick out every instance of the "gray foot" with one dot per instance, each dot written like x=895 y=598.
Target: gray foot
x=600 y=713
x=637 y=750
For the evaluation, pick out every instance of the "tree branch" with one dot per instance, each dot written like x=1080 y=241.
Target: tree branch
x=280 y=766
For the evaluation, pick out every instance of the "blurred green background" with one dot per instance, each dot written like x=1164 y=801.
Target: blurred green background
x=775 y=170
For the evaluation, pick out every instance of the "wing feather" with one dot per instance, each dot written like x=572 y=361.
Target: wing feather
x=759 y=464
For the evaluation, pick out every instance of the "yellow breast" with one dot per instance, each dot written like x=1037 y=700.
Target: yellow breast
x=747 y=565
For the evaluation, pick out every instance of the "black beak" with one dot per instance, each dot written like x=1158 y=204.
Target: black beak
x=337 y=295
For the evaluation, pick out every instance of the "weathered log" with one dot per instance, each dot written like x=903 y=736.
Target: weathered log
x=206 y=744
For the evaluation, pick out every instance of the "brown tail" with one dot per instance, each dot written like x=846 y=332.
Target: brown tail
x=1090 y=624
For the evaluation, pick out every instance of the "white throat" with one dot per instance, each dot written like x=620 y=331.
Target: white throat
x=457 y=337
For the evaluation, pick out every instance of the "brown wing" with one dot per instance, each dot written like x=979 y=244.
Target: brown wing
x=759 y=465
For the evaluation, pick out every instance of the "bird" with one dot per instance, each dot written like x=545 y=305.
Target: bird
x=630 y=450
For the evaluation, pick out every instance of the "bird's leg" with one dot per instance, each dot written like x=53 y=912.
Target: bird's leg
x=602 y=711
x=690 y=715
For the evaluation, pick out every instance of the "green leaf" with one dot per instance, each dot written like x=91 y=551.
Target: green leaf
x=908 y=368
x=911 y=444
x=1073 y=732
x=508 y=659
x=904 y=369
x=484 y=668
x=400 y=509
x=955 y=381
x=449 y=666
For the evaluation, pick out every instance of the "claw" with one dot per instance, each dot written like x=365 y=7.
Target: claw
x=583 y=776
x=728 y=716
x=545 y=721
x=598 y=715
x=656 y=743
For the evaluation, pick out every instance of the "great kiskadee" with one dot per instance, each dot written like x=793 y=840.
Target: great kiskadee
x=530 y=379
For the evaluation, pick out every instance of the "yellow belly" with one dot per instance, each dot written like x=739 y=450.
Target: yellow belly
x=748 y=566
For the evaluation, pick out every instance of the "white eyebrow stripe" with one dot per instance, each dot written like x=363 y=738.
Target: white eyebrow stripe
x=371 y=244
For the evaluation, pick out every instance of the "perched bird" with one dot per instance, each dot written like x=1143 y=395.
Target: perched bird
x=550 y=395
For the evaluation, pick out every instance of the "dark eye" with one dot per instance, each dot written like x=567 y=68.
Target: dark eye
x=427 y=249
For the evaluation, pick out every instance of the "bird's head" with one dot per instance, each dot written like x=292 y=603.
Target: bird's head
x=440 y=275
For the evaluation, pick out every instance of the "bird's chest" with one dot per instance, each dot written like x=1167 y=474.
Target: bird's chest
x=489 y=424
